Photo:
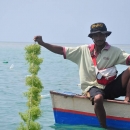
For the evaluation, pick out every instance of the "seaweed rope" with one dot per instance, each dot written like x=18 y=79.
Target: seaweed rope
x=31 y=97
x=30 y=105
x=33 y=93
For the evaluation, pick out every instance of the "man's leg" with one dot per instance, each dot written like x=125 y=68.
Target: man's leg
x=99 y=110
x=96 y=95
x=126 y=83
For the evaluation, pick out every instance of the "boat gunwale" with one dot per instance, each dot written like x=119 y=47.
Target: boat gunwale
x=84 y=97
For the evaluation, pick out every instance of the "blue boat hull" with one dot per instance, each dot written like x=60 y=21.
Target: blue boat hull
x=81 y=119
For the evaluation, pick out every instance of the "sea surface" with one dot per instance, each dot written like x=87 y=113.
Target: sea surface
x=56 y=74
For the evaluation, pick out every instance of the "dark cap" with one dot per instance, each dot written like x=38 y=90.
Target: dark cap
x=98 y=27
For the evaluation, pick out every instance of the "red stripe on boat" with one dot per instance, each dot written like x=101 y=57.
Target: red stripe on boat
x=74 y=112
x=90 y=114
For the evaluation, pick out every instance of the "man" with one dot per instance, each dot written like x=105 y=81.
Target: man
x=91 y=59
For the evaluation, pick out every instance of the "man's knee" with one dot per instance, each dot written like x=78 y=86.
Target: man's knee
x=125 y=77
x=128 y=71
x=98 y=99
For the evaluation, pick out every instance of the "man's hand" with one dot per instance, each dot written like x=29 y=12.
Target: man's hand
x=38 y=39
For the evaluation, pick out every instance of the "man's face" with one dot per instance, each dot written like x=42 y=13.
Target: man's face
x=99 y=38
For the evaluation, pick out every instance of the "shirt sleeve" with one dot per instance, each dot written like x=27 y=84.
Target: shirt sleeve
x=128 y=60
x=72 y=53
x=123 y=58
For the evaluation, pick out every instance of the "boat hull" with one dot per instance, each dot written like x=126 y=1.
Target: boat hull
x=73 y=109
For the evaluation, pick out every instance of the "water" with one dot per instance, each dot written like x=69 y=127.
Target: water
x=55 y=74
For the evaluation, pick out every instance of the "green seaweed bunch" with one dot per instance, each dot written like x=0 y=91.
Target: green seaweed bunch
x=30 y=116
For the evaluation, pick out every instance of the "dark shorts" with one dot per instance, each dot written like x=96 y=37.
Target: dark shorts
x=111 y=91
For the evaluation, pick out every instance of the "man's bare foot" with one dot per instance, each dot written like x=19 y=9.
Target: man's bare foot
x=127 y=99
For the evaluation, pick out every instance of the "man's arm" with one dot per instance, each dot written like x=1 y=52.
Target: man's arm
x=54 y=48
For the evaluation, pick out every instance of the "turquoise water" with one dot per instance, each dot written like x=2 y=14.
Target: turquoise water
x=55 y=74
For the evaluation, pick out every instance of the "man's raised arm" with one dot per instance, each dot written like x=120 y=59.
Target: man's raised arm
x=54 y=48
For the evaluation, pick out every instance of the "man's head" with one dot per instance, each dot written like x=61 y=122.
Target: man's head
x=98 y=32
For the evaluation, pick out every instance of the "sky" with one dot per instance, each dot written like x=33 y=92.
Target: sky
x=63 y=21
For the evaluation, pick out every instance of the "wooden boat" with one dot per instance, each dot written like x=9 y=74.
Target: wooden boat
x=73 y=109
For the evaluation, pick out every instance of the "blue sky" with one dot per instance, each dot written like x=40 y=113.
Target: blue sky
x=63 y=21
